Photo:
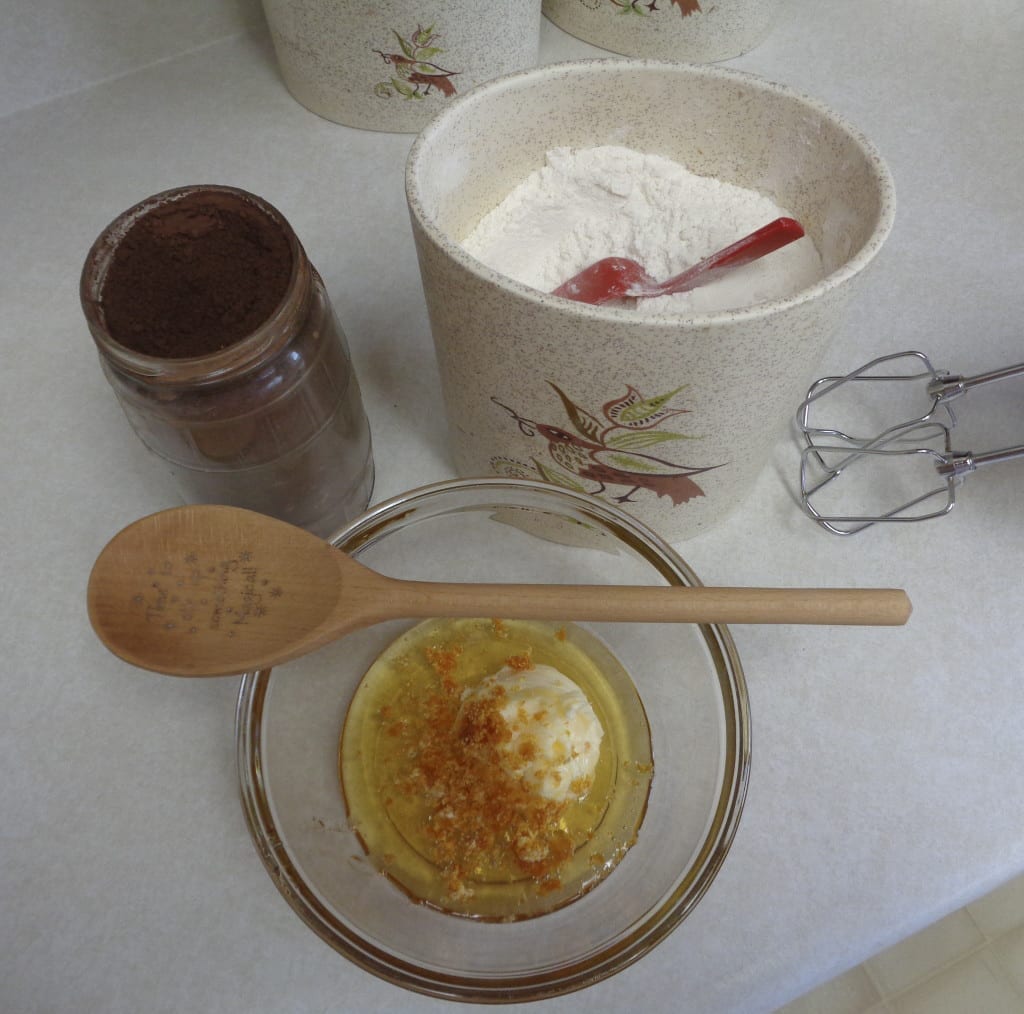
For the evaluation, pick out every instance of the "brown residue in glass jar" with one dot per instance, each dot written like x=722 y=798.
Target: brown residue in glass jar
x=194 y=276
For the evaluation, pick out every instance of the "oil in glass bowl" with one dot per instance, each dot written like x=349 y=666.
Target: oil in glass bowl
x=450 y=832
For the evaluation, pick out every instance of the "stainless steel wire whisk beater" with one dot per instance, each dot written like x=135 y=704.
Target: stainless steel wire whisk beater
x=923 y=435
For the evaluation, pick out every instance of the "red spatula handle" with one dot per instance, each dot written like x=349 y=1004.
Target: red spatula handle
x=765 y=240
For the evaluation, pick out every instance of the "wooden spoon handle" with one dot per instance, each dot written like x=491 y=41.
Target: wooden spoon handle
x=633 y=603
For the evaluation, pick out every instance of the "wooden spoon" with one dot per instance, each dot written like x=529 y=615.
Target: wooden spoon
x=622 y=278
x=212 y=591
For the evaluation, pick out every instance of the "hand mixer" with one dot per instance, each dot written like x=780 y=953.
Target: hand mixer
x=917 y=434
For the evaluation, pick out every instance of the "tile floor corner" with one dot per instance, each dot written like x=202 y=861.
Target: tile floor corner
x=970 y=962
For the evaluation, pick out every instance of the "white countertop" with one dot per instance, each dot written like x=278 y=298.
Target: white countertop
x=886 y=786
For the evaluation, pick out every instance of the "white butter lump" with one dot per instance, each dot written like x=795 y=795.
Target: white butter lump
x=590 y=203
x=555 y=733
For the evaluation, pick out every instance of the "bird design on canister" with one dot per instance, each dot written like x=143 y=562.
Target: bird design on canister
x=647 y=7
x=613 y=450
x=415 y=72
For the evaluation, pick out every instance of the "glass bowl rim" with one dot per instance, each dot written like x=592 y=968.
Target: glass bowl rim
x=659 y=922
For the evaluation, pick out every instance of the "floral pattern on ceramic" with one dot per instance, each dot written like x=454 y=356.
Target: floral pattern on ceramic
x=697 y=31
x=395 y=64
x=611 y=450
x=647 y=7
x=415 y=74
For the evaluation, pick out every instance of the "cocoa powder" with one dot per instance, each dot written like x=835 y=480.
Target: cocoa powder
x=194 y=276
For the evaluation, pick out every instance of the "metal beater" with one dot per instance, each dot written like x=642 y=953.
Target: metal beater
x=914 y=432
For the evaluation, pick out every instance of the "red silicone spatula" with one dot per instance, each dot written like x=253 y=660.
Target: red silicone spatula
x=622 y=278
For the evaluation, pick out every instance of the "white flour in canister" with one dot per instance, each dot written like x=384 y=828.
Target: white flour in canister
x=590 y=203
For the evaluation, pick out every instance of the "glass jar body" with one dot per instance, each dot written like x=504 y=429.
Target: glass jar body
x=274 y=423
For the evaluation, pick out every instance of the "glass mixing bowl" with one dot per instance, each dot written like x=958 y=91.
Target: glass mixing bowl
x=689 y=680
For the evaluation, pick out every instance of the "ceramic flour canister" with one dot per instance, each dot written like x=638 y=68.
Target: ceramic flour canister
x=675 y=415
x=698 y=31
x=393 y=64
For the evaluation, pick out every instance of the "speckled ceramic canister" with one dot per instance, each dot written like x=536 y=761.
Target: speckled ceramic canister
x=394 y=64
x=698 y=31
x=671 y=417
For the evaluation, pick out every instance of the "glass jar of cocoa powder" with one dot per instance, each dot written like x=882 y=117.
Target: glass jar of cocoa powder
x=217 y=335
